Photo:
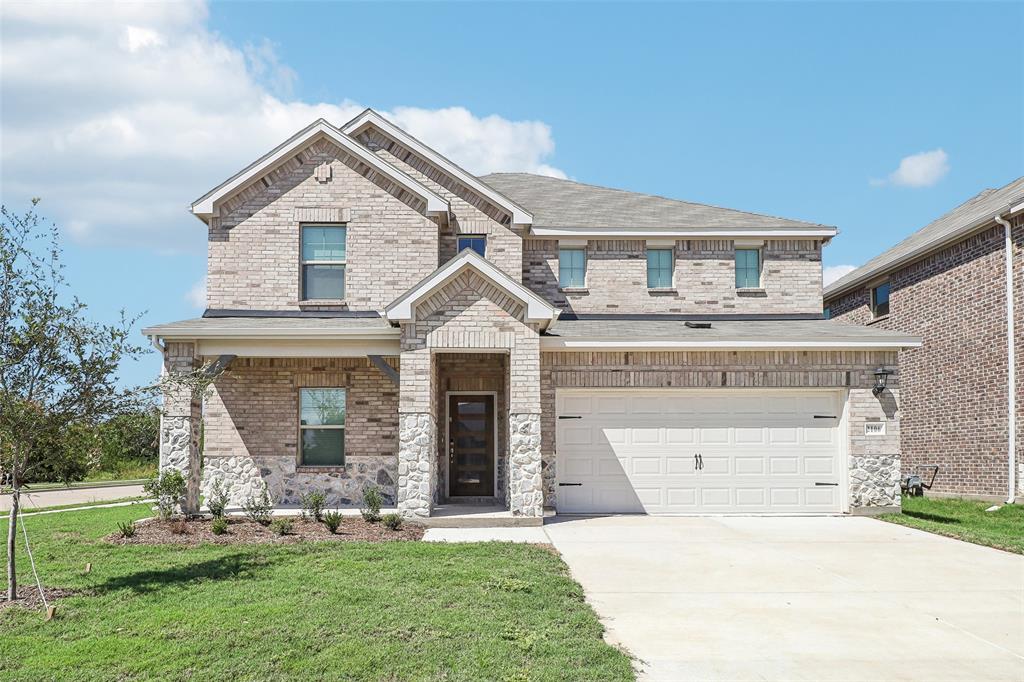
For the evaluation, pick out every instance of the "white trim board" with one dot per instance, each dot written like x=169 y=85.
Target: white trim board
x=549 y=343
x=205 y=206
x=370 y=117
x=685 y=233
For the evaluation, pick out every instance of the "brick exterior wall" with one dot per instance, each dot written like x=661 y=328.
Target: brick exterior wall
x=471 y=213
x=254 y=244
x=873 y=461
x=251 y=429
x=955 y=386
x=704 y=278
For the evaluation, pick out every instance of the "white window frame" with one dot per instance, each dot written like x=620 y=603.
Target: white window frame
x=459 y=238
x=303 y=262
x=581 y=249
x=760 y=265
x=873 y=302
x=671 y=266
x=341 y=427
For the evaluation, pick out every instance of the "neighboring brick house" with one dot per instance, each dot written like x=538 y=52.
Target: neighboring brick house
x=379 y=316
x=963 y=406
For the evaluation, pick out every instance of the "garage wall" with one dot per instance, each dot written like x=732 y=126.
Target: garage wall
x=873 y=459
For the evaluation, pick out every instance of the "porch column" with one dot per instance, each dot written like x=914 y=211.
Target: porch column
x=417 y=434
x=179 y=424
x=526 y=489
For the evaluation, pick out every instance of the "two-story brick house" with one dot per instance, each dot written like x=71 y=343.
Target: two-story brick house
x=387 y=318
x=958 y=283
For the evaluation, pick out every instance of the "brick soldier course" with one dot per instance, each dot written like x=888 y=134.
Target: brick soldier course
x=419 y=320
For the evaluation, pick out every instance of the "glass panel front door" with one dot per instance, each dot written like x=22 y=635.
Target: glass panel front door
x=471 y=445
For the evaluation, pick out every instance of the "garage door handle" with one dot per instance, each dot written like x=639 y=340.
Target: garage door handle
x=569 y=417
x=825 y=416
x=562 y=485
x=820 y=483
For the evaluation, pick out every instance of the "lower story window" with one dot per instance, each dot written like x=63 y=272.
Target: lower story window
x=322 y=426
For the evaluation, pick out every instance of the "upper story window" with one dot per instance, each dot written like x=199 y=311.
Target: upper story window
x=322 y=426
x=659 y=268
x=880 y=300
x=323 y=262
x=748 y=268
x=477 y=242
x=572 y=268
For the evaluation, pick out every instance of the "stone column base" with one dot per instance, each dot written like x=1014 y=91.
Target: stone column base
x=417 y=456
x=525 y=487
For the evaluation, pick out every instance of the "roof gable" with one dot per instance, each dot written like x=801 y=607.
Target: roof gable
x=975 y=213
x=535 y=308
x=205 y=206
x=371 y=119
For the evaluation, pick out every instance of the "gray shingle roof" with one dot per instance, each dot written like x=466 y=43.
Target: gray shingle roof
x=564 y=203
x=782 y=332
x=962 y=220
x=270 y=326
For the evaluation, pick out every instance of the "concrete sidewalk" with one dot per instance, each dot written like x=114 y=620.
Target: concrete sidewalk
x=77 y=496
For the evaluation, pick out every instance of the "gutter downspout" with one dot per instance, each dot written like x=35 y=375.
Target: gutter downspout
x=1011 y=365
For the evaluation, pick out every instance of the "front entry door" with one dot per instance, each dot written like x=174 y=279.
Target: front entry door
x=471 y=445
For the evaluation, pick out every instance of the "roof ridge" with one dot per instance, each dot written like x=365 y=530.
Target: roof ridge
x=662 y=197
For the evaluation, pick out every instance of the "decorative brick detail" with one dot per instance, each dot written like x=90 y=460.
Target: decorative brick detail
x=254 y=243
x=954 y=387
x=704 y=278
x=851 y=370
x=179 y=424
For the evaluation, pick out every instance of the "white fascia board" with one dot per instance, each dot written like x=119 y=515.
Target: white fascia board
x=685 y=233
x=180 y=333
x=370 y=117
x=592 y=344
x=403 y=309
x=204 y=207
x=297 y=348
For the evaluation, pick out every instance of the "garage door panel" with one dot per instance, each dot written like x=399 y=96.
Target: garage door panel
x=634 y=451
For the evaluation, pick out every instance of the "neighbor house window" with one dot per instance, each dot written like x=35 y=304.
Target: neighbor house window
x=659 y=268
x=323 y=262
x=322 y=426
x=880 y=300
x=572 y=268
x=477 y=242
x=748 y=268
x=827 y=313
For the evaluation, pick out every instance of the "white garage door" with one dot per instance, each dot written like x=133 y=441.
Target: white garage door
x=691 y=452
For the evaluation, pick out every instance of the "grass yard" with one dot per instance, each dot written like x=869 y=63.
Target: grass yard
x=316 y=610
x=28 y=509
x=965 y=520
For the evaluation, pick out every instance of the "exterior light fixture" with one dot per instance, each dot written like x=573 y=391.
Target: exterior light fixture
x=881 y=377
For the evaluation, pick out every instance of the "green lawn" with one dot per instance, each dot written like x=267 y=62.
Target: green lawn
x=965 y=520
x=346 y=611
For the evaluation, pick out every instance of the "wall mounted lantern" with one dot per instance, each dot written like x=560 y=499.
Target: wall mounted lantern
x=881 y=377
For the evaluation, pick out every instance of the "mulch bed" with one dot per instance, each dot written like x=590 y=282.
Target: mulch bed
x=28 y=597
x=241 y=531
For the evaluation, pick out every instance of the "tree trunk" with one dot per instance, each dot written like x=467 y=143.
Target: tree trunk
x=12 y=529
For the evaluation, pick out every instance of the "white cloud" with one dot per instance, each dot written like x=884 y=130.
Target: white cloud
x=196 y=296
x=918 y=170
x=833 y=272
x=120 y=115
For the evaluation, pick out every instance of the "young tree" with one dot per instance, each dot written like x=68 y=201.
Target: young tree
x=57 y=368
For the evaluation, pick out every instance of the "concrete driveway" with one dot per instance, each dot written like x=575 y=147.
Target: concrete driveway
x=743 y=598
x=52 y=498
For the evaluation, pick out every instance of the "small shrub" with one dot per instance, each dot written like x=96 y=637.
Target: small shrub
x=392 y=521
x=179 y=527
x=313 y=504
x=258 y=509
x=126 y=529
x=219 y=525
x=332 y=520
x=281 y=526
x=218 y=501
x=168 y=487
x=372 y=500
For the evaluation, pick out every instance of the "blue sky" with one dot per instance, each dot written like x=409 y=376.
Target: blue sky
x=120 y=117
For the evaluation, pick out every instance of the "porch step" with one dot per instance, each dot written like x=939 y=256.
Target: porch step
x=477 y=516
